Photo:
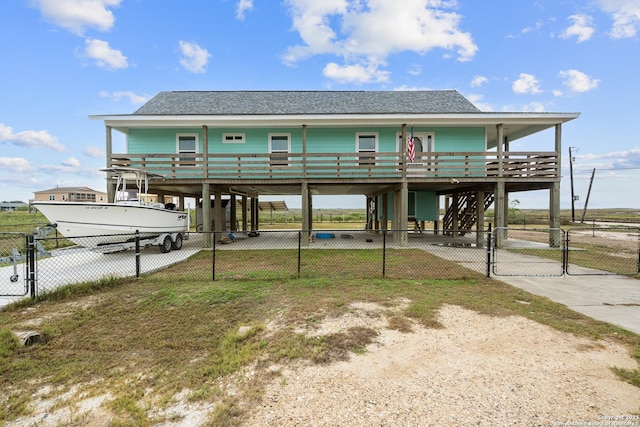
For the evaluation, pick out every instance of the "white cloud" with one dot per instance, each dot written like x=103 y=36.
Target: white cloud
x=131 y=96
x=625 y=15
x=104 y=55
x=526 y=84
x=194 y=58
x=577 y=81
x=30 y=138
x=354 y=73
x=539 y=24
x=93 y=151
x=15 y=164
x=478 y=81
x=78 y=15
x=366 y=32
x=71 y=162
x=582 y=28
x=243 y=6
x=536 y=107
x=627 y=159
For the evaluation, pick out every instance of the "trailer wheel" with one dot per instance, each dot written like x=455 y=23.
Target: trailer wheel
x=166 y=244
x=177 y=244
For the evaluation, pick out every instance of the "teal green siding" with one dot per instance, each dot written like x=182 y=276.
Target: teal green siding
x=326 y=140
x=458 y=139
x=422 y=204
x=426 y=206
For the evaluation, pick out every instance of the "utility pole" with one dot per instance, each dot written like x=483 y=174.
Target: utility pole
x=586 y=202
x=573 y=198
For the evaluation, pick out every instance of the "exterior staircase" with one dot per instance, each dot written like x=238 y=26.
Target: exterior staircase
x=467 y=212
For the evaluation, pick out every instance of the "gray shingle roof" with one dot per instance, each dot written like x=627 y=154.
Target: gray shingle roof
x=306 y=103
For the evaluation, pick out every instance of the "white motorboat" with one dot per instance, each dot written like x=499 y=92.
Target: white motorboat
x=93 y=224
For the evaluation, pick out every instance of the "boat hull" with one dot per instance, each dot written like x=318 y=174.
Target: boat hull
x=94 y=224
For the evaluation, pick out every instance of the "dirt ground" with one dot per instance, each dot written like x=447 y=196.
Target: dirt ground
x=475 y=370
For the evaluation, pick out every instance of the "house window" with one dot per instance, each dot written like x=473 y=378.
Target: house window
x=233 y=138
x=52 y=197
x=367 y=143
x=279 y=147
x=186 y=144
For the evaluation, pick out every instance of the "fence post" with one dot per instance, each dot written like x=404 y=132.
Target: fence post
x=299 y=251
x=137 y=253
x=489 y=251
x=638 y=252
x=213 y=261
x=565 y=253
x=384 y=253
x=31 y=265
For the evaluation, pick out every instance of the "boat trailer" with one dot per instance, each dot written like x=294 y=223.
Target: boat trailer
x=165 y=241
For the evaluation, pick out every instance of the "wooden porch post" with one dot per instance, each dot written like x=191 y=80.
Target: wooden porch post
x=480 y=218
x=498 y=212
x=376 y=213
x=499 y=141
x=554 y=195
x=403 y=221
x=304 y=151
x=255 y=219
x=206 y=214
x=245 y=226
x=385 y=212
x=111 y=186
x=456 y=209
x=306 y=226
x=205 y=151
x=218 y=211
x=233 y=220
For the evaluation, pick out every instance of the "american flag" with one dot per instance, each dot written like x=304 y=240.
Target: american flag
x=411 y=148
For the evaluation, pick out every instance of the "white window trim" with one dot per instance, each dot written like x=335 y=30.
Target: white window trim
x=420 y=134
x=377 y=142
x=197 y=143
x=234 y=140
x=197 y=137
x=288 y=135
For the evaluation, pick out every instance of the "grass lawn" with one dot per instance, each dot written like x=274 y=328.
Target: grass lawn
x=143 y=341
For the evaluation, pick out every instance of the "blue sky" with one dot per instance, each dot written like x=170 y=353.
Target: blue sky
x=64 y=60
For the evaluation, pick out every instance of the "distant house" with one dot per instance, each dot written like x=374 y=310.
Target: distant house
x=70 y=194
x=11 y=206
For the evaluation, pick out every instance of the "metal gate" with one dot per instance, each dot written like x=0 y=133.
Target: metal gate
x=527 y=252
x=603 y=251
x=555 y=252
x=17 y=264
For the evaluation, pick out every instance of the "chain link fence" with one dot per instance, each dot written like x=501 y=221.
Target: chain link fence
x=335 y=254
x=528 y=252
x=598 y=251
x=13 y=250
x=345 y=254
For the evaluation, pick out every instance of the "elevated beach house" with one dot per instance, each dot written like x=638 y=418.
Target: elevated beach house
x=404 y=150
